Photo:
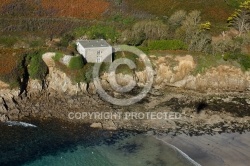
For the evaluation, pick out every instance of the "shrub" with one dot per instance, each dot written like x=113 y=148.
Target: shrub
x=176 y=19
x=240 y=19
x=121 y=19
x=97 y=32
x=200 y=42
x=145 y=30
x=166 y=45
x=36 y=43
x=84 y=74
x=66 y=39
x=37 y=68
x=234 y=3
x=242 y=59
x=8 y=41
x=227 y=46
x=194 y=33
x=131 y=38
x=76 y=62
x=58 y=56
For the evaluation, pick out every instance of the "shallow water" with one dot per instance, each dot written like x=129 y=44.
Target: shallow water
x=139 y=150
x=54 y=143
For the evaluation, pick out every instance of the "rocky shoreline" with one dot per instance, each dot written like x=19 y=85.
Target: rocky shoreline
x=205 y=106
x=200 y=113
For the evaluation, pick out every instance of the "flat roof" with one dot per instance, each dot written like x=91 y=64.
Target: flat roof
x=94 y=43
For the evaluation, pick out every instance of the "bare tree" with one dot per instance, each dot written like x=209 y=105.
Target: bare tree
x=176 y=19
x=240 y=19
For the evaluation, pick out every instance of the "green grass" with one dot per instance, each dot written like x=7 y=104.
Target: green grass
x=204 y=62
x=242 y=59
x=134 y=58
x=97 y=32
x=166 y=45
x=36 y=66
x=76 y=62
x=58 y=56
x=8 y=41
x=36 y=43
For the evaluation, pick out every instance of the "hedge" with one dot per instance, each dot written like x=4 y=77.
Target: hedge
x=166 y=45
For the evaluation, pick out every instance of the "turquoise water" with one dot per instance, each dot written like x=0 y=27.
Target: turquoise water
x=54 y=143
x=139 y=150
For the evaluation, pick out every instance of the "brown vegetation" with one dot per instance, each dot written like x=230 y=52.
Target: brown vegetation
x=9 y=60
x=11 y=69
x=78 y=8
x=212 y=10
x=88 y=9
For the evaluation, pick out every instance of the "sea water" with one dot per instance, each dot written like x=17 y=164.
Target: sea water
x=56 y=145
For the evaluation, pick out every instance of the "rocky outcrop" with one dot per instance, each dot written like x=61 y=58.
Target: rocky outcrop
x=217 y=79
x=57 y=96
x=169 y=71
x=3 y=85
x=8 y=104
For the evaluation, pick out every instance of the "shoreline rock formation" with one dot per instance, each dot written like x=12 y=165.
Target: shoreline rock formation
x=212 y=102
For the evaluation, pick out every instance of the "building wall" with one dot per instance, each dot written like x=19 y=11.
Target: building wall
x=99 y=54
x=81 y=50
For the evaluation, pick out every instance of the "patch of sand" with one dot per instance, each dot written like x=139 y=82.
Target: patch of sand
x=221 y=149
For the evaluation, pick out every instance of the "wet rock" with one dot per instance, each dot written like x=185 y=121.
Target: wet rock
x=14 y=112
x=96 y=125
x=217 y=130
x=3 y=118
x=3 y=109
x=109 y=125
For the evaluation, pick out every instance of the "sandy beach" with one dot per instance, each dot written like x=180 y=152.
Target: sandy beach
x=228 y=149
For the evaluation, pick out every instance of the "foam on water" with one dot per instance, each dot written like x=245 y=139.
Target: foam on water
x=16 y=123
x=181 y=152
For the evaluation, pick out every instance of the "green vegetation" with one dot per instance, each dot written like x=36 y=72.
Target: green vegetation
x=97 y=32
x=240 y=19
x=155 y=28
x=123 y=68
x=234 y=3
x=76 y=62
x=145 y=30
x=84 y=74
x=8 y=41
x=37 y=69
x=242 y=59
x=166 y=45
x=122 y=20
x=36 y=43
x=58 y=56
x=66 y=39
x=204 y=62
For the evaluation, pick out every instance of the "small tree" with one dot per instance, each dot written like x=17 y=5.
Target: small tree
x=240 y=19
x=193 y=32
x=145 y=30
x=176 y=19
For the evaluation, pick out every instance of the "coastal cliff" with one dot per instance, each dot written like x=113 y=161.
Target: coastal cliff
x=216 y=100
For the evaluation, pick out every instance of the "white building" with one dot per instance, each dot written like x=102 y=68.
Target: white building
x=95 y=51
